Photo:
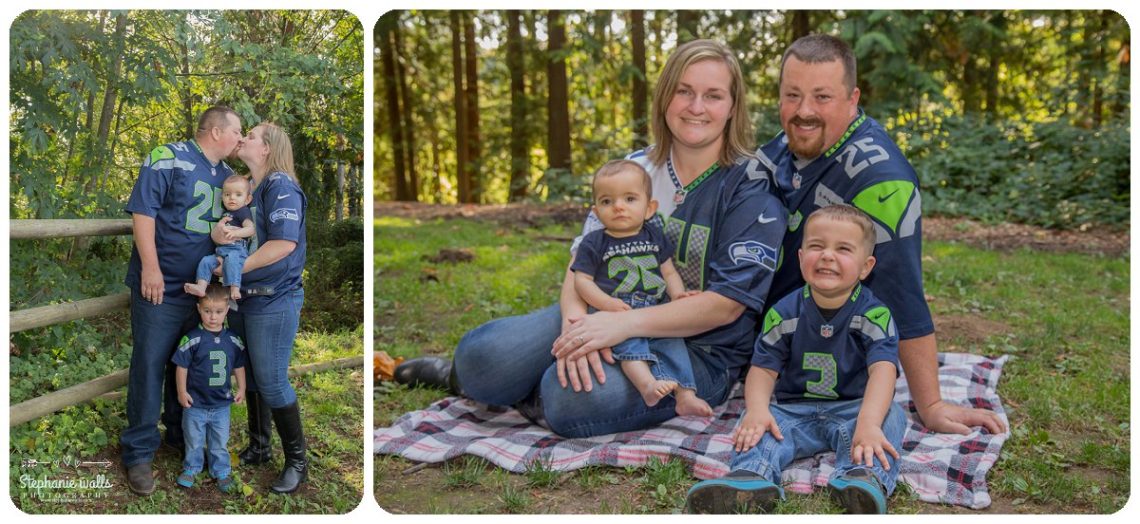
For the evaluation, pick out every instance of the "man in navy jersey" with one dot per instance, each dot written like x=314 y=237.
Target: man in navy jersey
x=173 y=205
x=831 y=152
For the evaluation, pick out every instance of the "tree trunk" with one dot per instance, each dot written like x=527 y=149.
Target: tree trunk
x=558 y=122
x=406 y=114
x=340 y=190
x=801 y=24
x=1100 y=69
x=395 y=131
x=110 y=97
x=687 y=22
x=970 y=102
x=473 y=145
x=996 y=51
x=462 y=176
x=520 y=155
x=640 y=88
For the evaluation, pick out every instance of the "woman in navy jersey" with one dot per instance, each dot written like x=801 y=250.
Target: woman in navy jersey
x=555 y=363
x=270 y=308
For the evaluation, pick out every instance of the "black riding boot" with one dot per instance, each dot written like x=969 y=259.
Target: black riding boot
x=260 y=428
x=296 y=471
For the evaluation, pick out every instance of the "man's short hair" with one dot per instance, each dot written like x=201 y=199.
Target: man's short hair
x=214 y=117
x=215 y=291
x=848 y=213
x=817 y=49
x=614 y=167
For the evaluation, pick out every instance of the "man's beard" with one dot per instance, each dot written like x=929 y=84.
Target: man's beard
x=806 y=148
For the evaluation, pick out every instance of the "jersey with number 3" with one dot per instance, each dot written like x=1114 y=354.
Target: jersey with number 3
x=209 y=359
x=181 y=190
x=864 y=169
x=819 y=359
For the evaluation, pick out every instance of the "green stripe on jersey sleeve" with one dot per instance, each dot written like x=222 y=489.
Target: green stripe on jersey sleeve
x=886 y=201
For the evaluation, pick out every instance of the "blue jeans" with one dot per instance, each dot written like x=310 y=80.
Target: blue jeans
x=668 y=358
x=208 y=428
x=817 y=427
x=269 y=340
x=504 y=361
x=155 y=331
x=233 y=258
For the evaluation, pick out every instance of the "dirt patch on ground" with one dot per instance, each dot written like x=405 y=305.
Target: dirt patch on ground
x=1002 y=237
x=967 y=330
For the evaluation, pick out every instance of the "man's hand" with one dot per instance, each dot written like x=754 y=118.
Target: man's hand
x=948 y=418
x=152 y=284
x=239 y=396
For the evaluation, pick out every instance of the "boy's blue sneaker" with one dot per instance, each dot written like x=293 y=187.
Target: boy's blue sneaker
x=226 y=485
x=186 y=479
x=738 y=492
x=859 y=491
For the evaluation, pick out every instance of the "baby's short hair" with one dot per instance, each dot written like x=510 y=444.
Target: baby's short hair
x=614 y=167
x=233 y=179
x=848 y=213
x=215 y=291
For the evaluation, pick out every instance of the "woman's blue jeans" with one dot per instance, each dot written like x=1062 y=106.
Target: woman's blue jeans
x=155 y=332
x=817 y=427
x=269 y=340
x=504 y=361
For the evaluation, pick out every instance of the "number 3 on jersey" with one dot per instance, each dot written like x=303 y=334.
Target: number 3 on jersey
x=825 y=386
x=209 y=207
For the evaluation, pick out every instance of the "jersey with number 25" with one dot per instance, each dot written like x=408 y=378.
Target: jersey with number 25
x=182 y=191
x=867 y=170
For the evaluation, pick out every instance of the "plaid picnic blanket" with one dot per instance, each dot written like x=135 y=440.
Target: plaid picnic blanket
x=946 y=469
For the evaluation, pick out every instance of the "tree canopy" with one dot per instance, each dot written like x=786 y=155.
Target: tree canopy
x=93 y=91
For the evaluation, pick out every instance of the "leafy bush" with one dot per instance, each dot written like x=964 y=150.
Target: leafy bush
x=334 y=276
x=1051 y=174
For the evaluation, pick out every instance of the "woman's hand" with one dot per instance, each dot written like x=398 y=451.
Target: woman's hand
x=590 y=333
x=576 y=373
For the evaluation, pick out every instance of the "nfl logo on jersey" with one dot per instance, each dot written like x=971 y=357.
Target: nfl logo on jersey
x=826 y=330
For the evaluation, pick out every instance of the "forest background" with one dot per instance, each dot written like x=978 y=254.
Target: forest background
x=1006 y=115
x=1017 y=122
x=91 y=92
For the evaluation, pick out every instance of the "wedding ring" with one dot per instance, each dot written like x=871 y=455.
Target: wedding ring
x=580 y=341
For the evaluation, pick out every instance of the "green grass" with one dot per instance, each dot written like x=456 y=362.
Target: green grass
x=1064 y=318
x=332 y=413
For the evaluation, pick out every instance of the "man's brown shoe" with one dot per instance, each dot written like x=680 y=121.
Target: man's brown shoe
x=140 y=479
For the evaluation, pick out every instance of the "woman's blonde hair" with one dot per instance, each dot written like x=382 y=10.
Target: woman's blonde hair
x=280 y=157
x=738 y=135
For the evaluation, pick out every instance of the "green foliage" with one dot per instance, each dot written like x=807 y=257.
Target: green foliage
x=90 y=97
x=1047 y=173
x=1057 y=79
x=334 y=276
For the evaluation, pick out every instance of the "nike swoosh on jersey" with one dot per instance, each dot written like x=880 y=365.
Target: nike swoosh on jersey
x=765 y=220
x=887 y=196
x=279 y=197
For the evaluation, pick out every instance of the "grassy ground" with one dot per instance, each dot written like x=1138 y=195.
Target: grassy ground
x=1063 y=316
x=332 y=413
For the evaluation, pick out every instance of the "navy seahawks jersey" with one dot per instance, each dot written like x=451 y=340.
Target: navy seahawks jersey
x=866 y=170
x=625 y=266
x=182 y=191
x=819 y=359
x=279 y=214
x=727 y=232
x=209 y=359
x=237 y=218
